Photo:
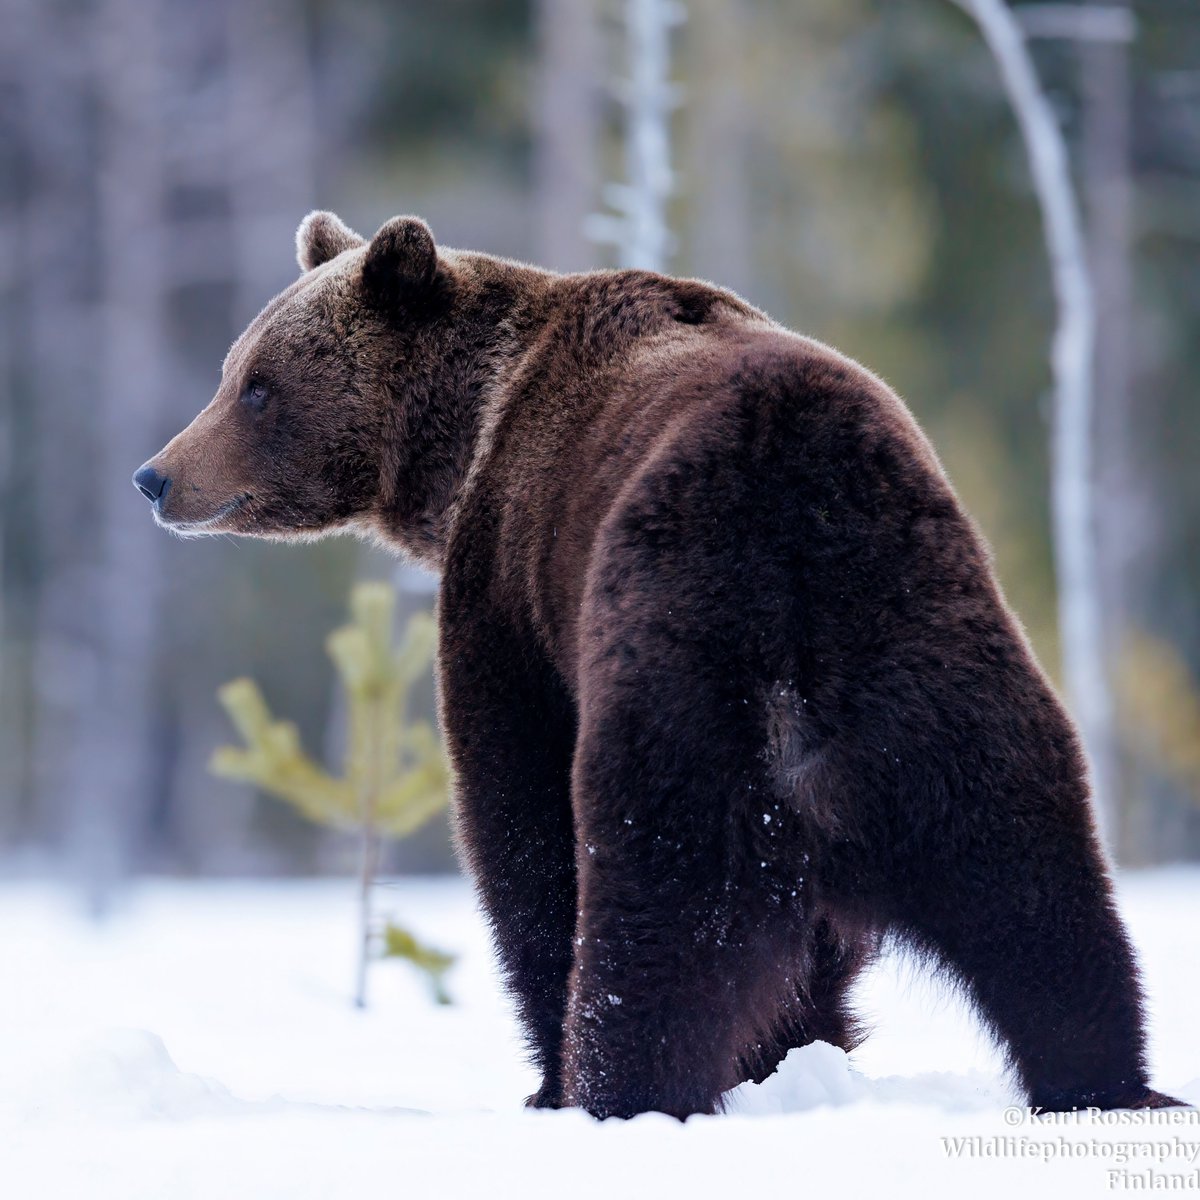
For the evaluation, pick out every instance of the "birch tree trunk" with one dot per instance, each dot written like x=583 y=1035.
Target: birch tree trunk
x=1084 y=657
x=639 y=230
x=648 y=140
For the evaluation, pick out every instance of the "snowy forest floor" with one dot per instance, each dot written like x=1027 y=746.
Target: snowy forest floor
x=202 y=1042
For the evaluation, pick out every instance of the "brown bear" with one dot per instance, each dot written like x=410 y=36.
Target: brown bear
x=728 y=682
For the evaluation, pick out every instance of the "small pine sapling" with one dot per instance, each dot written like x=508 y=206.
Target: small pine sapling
x=395 y=776
x=399 y=943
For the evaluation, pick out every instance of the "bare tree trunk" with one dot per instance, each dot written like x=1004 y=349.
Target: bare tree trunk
x=14 y=678
x=271 y=155
x=57 y=259
x=719 y=127
x=648 y=142
x=258 y=163
x=640 y=230
x=1124 y=506
x=13 y=681
x=114 y=777
x=1083 y=651
x=567 y=126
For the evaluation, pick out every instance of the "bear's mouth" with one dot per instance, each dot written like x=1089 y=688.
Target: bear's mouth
x=198 y=527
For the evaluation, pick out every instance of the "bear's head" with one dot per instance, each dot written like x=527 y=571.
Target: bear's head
x=311 y=429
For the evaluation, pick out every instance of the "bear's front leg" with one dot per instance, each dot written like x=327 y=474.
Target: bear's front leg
x=510 y=730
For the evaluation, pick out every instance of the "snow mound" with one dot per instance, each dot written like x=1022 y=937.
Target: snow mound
x=820 y=1075
x=128 y=1075
x=809 y=1077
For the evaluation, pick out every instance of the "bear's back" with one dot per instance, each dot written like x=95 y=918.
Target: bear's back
x=651 y=386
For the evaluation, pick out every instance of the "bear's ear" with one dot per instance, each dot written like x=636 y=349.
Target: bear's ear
x=401 y=260
x=322 y=236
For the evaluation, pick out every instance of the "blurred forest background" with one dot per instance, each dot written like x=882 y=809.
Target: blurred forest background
x=852 y=166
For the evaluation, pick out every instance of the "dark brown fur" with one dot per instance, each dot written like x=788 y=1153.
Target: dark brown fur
x=728 y=682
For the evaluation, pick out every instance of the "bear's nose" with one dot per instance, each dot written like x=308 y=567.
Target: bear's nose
x=150 y=483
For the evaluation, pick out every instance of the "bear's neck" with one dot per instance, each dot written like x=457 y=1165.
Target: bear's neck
x=445 y=390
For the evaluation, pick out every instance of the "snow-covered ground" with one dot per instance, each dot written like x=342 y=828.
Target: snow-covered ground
x=201 y=1043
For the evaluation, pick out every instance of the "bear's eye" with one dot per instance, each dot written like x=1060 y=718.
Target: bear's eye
x=255 y=394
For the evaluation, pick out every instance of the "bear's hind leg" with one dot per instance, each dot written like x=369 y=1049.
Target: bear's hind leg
x=1024 y=916
x=688 y=928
